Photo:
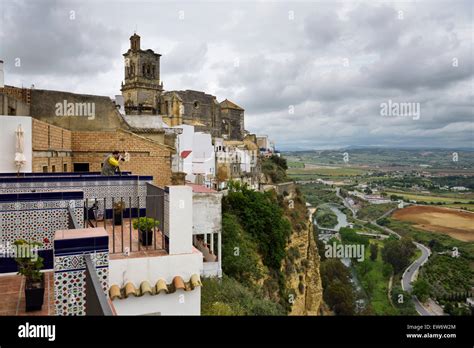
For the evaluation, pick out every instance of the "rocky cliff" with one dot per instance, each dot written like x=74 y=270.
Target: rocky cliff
x=301 y=265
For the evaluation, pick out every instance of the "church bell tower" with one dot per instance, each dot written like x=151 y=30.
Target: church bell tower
x=142 y=88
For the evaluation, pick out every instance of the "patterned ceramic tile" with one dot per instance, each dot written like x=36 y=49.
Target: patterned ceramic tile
x=69 y=292
x=76 y=262
x=69 y=282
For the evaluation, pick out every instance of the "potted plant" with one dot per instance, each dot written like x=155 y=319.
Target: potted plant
x=118 y=209
x=146 y=226
x=30 y=264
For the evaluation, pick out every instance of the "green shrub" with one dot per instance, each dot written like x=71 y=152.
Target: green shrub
x=145 y=224
x=240 y=258
x=260 y=215
x=233 y=298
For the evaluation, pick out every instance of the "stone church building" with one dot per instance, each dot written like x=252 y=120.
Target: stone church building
x=143 y=94
x=78 y=142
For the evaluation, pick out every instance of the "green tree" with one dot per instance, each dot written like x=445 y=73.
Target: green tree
x=421 y=289
x=240 y=258
x=332 y=270
x=260 y=215
x=340 y=298
x=374 y=250
x=398 y=253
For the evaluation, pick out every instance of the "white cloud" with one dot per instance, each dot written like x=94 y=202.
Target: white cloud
x=334 y=62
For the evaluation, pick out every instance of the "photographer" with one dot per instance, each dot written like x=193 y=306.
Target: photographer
x=111 y=164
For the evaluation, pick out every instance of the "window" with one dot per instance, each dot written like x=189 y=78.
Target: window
x=53 y=169
x=81 y=167
x=196 y=104
x=65 y=167
x=45 y=169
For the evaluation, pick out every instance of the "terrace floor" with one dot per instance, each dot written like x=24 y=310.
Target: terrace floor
x=121 y=234
x=12 y=295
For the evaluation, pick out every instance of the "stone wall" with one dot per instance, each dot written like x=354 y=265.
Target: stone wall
x=202 y=111
x=107 y=117
x=234 y=123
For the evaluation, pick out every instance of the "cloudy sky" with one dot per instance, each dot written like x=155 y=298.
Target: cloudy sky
x=310 y=74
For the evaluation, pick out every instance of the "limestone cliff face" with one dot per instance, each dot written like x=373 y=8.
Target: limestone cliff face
x=306 y=280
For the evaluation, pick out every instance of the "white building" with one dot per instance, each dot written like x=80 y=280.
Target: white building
x=195 y=156
x=240 y=158
x=165 y=284
x=459 y=188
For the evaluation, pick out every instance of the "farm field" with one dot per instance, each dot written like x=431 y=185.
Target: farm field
x=456 y=224
x=469 y=207
x=428 y=198
x=311 y=170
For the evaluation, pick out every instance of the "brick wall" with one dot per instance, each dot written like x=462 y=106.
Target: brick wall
x=51 y=145
x=49 y=137
x=146 y=156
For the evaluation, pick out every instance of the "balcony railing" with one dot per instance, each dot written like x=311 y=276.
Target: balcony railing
x=117 y=215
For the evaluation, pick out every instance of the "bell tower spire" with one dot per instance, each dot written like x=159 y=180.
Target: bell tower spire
x=142 y=88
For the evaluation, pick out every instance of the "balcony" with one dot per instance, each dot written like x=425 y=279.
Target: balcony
x=86 y=223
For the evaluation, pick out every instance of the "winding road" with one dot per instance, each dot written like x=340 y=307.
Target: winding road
x=410 y=274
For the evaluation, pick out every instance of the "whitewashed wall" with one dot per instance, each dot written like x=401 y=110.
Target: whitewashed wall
x=204 y=157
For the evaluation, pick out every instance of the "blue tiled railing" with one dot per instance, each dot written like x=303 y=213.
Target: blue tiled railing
x=41 y=196
x=87 y=178
x=80 y=174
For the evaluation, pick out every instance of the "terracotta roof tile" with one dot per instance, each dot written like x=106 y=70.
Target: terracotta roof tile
x=200 y=188
x=130 y=290
x=145 y=288
x=195 y=281
x=161 y=286
x=115 y=292
x=178 y=283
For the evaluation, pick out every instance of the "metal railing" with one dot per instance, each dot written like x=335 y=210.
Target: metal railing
x=96 y=300
x=117 y=215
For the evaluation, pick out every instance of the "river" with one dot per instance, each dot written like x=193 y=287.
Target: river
x=341 y=217
x=360 y=295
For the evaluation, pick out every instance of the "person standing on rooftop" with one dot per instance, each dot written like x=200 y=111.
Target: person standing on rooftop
x=111 y=164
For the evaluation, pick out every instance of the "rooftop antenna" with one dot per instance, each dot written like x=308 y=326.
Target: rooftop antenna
x=135 y=31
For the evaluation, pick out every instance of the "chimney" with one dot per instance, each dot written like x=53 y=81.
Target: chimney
x=2 y=81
